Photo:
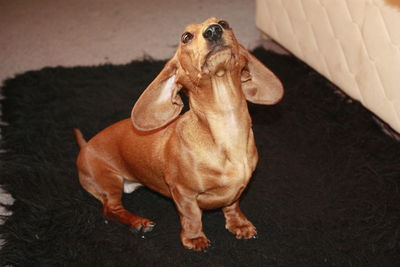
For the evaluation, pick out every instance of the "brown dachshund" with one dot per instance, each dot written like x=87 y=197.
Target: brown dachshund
x=202 y=159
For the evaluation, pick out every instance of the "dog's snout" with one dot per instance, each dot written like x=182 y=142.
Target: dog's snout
x=213 y=33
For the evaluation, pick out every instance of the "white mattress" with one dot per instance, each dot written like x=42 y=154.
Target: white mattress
x=353 y=43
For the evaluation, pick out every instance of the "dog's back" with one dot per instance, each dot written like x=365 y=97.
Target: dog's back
x=123 y=151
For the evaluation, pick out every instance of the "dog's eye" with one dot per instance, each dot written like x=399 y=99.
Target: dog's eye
x=224 y=24
x=186 y=37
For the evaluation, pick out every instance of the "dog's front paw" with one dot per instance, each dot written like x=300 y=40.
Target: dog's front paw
x=241 y=230
x=197 y=243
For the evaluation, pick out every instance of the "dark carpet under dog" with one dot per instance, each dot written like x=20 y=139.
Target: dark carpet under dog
x=326 y=191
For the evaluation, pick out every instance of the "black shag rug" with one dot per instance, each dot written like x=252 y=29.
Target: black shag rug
x=326 y=191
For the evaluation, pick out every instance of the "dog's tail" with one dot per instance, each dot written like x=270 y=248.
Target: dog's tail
x=79 y=138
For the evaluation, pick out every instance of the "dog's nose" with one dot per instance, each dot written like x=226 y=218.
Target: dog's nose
x=213 y=33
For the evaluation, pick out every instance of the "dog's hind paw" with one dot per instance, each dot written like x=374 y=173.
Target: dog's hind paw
x=143 y=226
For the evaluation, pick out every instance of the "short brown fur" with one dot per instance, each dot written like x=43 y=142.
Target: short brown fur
x=202 y=159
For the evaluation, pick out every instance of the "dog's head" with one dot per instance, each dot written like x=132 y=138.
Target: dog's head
x=206 y=50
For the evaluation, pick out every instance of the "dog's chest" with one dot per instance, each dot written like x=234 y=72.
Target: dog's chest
x=219 y=160
x=221 y=185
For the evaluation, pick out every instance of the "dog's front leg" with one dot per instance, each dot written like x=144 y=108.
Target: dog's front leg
x=192 y=235
x=237 y=223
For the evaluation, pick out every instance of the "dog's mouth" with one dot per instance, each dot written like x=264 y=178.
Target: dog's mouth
x=217 y=59
x=216 y=49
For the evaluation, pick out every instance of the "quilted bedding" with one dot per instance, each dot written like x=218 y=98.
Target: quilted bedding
x=353 y=43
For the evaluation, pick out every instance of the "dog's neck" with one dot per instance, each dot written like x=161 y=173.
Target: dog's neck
x=221 y=109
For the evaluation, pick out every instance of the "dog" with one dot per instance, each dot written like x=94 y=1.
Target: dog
x=202 y=159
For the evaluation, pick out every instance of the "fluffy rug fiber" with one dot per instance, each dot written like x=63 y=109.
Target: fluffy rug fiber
x=326 y=191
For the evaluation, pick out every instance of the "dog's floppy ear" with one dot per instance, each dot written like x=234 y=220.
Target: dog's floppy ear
x=259 y=84
x=160 y=103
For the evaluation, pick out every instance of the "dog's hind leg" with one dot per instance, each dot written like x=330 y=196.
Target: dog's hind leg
x=108 y=188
